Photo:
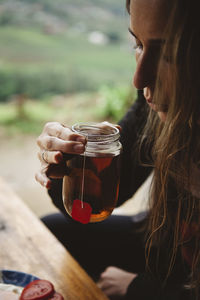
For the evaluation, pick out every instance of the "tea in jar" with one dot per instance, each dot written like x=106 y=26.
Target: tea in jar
x=90 y=190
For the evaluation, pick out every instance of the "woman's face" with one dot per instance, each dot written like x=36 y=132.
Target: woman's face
x=147 y=23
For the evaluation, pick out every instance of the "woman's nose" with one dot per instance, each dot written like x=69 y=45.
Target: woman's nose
x=145 y=72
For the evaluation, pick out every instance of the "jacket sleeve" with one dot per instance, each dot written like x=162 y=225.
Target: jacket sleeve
x=143 y=287
x=154 y=283
x=132 y=173
x=146 y=288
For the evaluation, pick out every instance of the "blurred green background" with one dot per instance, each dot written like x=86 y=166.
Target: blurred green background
x=63 y=60
x=60 y=60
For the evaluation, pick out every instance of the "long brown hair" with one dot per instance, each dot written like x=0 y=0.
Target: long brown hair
x=177 y=141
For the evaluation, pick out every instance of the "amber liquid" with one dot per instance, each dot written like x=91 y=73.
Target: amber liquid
x=97 y=184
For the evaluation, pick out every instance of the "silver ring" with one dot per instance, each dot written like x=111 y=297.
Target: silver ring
x=43 y=153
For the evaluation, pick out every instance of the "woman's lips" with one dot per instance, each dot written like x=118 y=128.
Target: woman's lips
x=158 y=108
x=153 y=106
x=148 y=97
x=148 y=94
x=149 y=100
x=150 y=103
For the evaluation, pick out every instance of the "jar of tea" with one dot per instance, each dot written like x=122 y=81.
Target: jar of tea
x=90 y=190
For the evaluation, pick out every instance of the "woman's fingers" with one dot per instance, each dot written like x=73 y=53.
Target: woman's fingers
x=107 y=125
x=56 y=137
x=66 y=143
x=50 y=157
x=53 y=144
x=50 y=171
x=57 y=144
x=53 y=133
x=43 y=179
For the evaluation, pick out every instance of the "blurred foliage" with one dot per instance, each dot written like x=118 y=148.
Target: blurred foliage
x=30 y=121
x=61 y=14
x=115 y=101
x=37 y=64
x=22 y=115
x=28 y=116
x=46 y=54
x=39 y=83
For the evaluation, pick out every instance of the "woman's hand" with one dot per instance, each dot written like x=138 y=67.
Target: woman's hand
x=114 y=282
x=55 y=141
x=58 y=143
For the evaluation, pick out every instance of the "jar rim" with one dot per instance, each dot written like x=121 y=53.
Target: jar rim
x=80 y=127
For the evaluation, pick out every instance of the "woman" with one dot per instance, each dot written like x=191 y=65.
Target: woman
x=163 y=256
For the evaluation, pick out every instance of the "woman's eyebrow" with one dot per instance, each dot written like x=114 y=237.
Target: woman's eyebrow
x=152 y=41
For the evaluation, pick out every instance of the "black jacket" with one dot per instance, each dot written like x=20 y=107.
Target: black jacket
x=133 y=174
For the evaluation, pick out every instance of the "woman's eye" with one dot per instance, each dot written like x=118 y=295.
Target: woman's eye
x=137 y=45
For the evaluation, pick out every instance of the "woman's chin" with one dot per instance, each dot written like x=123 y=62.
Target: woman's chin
x=162 y=116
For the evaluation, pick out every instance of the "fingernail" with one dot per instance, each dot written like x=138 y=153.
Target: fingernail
x=58 y=158
x=48 y=184
x=79 y=148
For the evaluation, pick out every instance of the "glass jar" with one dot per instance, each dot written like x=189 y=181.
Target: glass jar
x=90 y=190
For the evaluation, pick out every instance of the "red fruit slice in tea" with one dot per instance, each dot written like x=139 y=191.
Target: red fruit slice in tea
x=81 y=211
x=92 y=184
x=101 y=162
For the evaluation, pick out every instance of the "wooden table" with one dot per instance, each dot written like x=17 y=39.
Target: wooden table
x=27 y=245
